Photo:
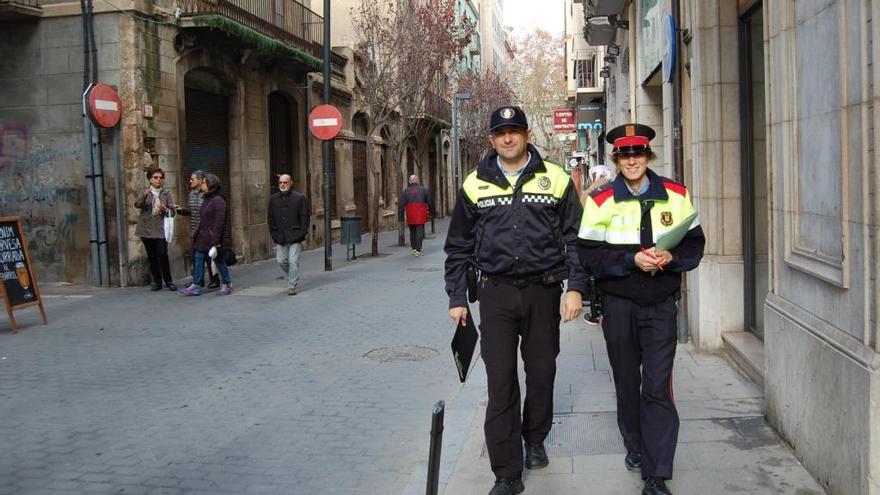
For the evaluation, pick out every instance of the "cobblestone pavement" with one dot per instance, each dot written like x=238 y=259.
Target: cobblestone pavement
x=130 y=391
x=327 y=392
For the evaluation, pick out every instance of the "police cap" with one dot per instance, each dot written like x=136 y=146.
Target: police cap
x=630 y=139
x=508 y=116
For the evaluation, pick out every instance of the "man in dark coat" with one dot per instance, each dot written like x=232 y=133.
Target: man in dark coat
x=288 y=218
x=417 y=203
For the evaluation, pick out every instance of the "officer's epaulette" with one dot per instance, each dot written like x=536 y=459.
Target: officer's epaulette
x=675 y=187
x=602 y=193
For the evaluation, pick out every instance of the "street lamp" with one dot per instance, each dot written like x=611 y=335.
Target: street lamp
x=456 y=152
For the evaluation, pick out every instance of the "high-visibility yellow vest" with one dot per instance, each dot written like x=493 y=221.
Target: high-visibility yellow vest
x=619 y=222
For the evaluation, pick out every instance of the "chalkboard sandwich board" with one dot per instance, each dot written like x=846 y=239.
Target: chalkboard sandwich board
x=19 y=287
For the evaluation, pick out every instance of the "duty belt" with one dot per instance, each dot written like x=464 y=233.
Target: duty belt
x=547 y=278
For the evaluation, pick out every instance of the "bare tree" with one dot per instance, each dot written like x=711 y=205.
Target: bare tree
x=402 y=51
x=538 y=79
x=488 y=92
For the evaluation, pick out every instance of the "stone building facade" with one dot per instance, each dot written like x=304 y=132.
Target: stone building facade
x=218 y=90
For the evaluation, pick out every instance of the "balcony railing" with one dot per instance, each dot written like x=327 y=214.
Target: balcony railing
x=285 y=20
x=10 y=9
x=25 y=3
x=437 y=106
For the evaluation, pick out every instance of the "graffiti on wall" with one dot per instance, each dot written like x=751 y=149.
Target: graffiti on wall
x=41 y=182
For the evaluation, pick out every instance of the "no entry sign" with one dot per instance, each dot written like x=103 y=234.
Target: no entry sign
x=325 y=121
x=103 y=105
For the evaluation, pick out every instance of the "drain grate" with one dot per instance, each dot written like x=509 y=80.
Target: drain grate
x=576 y=434
x=402 y=353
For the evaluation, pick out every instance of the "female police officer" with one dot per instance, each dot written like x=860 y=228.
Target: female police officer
x=641 y=286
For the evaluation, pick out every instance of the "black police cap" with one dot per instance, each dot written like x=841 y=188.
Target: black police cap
x=508 y=116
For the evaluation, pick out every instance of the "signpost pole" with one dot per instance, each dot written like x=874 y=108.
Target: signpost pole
x=327 y=147
x=89 y=149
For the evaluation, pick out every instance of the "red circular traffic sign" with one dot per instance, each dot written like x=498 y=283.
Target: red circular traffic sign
x=105 y=107
x=325 y=121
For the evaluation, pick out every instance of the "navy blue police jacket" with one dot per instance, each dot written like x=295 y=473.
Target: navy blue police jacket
x=517 y=232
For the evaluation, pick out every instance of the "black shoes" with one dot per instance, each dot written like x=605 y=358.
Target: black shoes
x=156 y=287
x=504 y=486
x=215 y=282
x=172 y=287
x=536 y=456
x=633 y=461
x=655 y=486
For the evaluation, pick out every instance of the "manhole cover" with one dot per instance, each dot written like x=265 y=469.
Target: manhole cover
x=402 y=353
x=417 y=269
x=576 y=434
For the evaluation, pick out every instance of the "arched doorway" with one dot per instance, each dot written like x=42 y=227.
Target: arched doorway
x=387 y=177
x=410 y=164
x=283 y=140
x=360 y=174
x=206 y=144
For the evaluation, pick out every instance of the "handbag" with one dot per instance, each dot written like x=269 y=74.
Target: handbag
x=168 y=226
x=229 y=257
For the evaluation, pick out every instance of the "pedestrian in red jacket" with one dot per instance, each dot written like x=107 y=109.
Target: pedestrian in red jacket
x=417 y=203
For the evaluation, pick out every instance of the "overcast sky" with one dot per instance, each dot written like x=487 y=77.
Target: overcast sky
x=526 y=15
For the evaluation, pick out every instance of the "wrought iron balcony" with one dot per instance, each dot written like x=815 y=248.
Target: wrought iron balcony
x=12 y=9
x=437 y=106
x=285 y=20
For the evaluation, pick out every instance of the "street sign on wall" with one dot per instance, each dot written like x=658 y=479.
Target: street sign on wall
x=564 y=120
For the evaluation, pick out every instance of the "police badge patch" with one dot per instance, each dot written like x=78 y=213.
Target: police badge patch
x=507 y=113
x=666 y=218
x=544 y=183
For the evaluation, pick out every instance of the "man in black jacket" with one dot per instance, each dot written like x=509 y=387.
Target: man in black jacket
x=288 y=217
x=516 y=221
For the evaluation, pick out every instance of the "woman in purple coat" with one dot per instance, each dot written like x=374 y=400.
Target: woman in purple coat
x=213 y=232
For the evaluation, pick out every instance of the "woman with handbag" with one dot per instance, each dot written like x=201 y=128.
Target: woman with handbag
x=155 y=203
x=212 y=236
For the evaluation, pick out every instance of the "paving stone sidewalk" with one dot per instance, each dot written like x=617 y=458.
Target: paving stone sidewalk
x=127 y=391
x=725 y=445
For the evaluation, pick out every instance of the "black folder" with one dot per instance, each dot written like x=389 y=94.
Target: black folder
x=463 y=344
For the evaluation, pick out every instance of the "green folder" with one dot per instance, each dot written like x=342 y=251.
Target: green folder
x=671 y=238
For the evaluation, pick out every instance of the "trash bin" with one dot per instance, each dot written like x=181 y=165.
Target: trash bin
x=350 y=230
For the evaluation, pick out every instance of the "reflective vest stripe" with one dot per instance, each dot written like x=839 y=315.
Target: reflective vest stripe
x=619 y=223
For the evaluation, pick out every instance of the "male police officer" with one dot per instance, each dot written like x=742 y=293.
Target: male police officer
x=516 y=221
x=641 y=284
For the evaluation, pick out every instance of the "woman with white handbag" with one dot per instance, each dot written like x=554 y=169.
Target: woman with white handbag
x=155 y=204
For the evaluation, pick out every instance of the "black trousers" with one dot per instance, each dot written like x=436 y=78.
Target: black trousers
x=528 y=317
x=157 y=255
x=641 y=348
x=416 y=236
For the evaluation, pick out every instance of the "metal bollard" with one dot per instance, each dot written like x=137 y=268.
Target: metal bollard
x=436 y=445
